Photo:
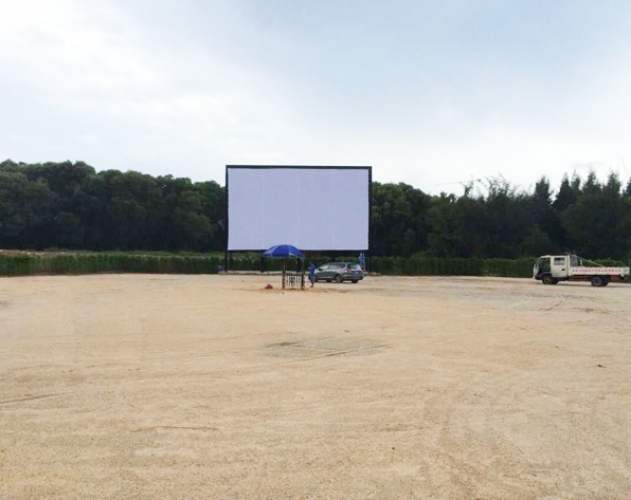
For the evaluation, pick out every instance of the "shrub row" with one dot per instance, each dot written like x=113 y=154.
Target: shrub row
x=30 y=264
x=428 y=266
x=253 y=263
x=24 y=264
x=90 y=263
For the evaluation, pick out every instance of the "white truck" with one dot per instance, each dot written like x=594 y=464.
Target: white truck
x=550 y=269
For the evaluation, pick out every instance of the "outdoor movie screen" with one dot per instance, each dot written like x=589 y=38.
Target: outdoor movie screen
x=312 y=208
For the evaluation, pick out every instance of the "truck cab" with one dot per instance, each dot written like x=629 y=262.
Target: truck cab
x=551 y=269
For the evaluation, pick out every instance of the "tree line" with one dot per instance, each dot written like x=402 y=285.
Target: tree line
x=72 y=206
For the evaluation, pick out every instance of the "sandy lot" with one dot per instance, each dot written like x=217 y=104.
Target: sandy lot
x=210 y=387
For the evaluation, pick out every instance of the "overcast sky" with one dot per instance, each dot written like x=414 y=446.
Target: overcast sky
x=427 y=92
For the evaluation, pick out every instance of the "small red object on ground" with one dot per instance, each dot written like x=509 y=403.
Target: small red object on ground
x=268 y=287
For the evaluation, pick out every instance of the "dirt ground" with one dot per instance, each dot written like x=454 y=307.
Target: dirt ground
x=182 y=387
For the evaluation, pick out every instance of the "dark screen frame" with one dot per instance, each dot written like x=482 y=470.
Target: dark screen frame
x=295 y=167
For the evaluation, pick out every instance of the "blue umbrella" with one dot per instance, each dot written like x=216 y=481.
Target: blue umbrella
x=283 y=252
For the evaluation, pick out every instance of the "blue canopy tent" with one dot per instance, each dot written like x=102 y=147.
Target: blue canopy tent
x=283 y=252
x=287 y=252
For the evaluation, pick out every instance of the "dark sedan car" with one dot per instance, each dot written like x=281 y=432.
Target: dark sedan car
x=339 y=271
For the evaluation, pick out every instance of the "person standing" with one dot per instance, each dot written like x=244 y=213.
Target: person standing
x=312 y=269
x=362 y=261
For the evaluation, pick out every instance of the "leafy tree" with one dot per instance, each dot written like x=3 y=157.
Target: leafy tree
x=70 y=205
x=399 y=222
x=26 y=210
x=537 y=242
x=547 y=223
x=598 y=222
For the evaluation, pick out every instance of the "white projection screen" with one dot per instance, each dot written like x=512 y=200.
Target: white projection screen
x=312 y=208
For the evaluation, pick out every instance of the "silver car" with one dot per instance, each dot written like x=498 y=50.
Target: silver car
x=339 y=271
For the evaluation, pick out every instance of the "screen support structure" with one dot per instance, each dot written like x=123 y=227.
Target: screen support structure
x=227 y=255
x=370 y=190
x=368 y=256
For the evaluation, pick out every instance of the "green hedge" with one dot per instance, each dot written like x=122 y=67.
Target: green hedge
x=30 y=264
x=24 y=264
x=90 y=263
x=428 y=266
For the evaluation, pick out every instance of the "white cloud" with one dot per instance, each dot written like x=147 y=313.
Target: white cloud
x=154 y=101
x=123 y=88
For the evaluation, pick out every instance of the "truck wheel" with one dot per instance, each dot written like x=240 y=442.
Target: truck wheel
x=598 y=281
x=549 y=280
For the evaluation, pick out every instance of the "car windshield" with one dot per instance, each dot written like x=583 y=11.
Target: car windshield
x=354 y=267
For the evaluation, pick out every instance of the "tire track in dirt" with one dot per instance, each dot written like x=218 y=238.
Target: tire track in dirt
x=31 y=398
x=559 y=300
x=500 y=415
